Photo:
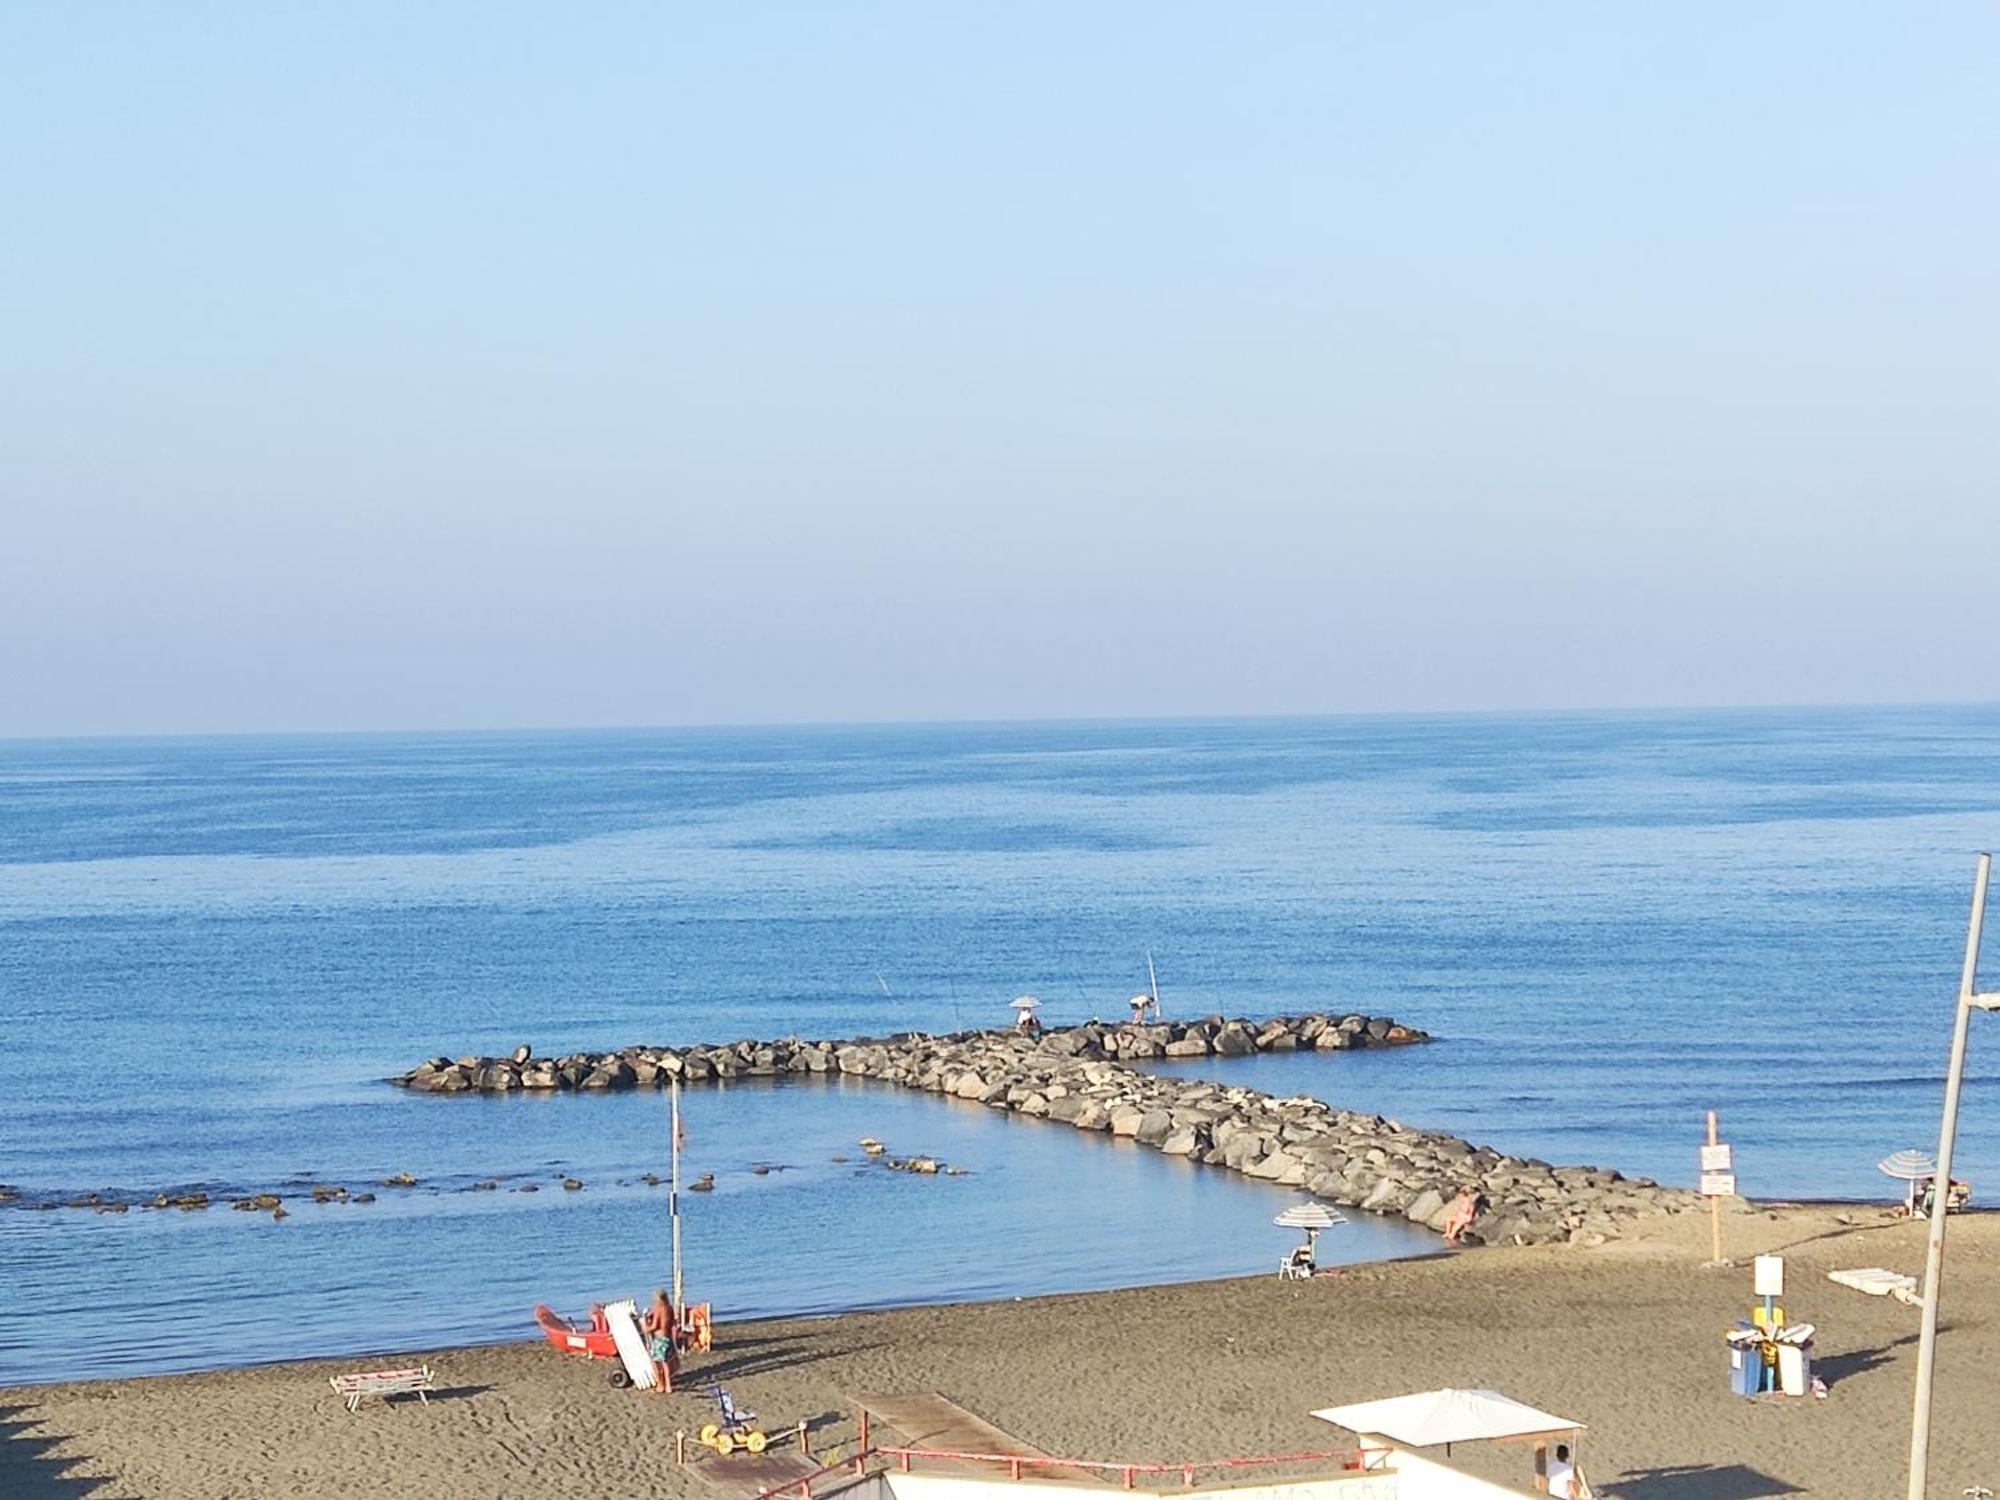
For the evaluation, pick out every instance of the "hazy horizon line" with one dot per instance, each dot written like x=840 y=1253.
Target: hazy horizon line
x=978 y=720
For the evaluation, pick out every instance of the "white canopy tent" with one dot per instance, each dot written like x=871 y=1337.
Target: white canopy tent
x=1450 y=1416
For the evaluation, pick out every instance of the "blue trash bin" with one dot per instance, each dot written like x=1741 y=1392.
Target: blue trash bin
x=1746 y=1366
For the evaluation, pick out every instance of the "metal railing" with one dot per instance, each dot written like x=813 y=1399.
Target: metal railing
x=1017 y=1465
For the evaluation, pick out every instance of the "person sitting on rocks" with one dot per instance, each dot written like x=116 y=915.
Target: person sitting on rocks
x=1464 y=1209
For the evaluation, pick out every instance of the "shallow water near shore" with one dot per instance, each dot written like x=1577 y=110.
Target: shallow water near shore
x=452 y=1262
x=212 y=951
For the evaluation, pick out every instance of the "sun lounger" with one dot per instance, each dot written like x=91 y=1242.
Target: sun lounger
x=624 y=1320
x=1876 y=1282
x=416 y=1381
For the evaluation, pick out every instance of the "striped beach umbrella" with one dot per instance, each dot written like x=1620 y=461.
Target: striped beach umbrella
x=1908 y=1165
x=1312 y=1217
x=1911 y=1167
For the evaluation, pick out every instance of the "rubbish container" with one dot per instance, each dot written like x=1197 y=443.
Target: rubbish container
x=1745 y=1366
x=1746 y=1361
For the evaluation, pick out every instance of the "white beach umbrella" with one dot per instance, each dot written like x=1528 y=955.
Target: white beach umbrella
x=1312 y=1217
x=1027 y=1002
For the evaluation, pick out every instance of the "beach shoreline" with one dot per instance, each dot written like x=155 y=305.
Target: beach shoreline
x=1625 y=1337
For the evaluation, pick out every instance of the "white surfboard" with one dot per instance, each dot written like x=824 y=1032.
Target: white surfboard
x=624 y=1320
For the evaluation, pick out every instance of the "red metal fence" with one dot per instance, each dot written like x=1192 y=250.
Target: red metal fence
x=1017 y=1464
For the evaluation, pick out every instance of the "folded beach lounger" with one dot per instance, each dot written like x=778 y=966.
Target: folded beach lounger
x=1874 y=1281
x=624 y=1320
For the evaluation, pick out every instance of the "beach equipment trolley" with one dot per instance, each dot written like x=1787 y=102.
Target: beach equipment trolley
x=732 y=1428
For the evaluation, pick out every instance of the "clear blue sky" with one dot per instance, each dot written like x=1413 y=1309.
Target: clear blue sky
x=391 y=365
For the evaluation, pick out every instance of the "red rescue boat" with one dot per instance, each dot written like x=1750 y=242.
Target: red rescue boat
x=592 y=1340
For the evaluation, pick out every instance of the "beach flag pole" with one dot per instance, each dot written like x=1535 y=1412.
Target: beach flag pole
x=1969 y=999
x=674 y=1196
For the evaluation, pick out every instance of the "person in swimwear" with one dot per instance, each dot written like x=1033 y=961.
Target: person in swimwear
x=658 y=1326
x=1464 y=1209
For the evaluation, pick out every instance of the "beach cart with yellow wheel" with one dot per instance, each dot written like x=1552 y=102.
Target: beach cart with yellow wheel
x=733 y=1427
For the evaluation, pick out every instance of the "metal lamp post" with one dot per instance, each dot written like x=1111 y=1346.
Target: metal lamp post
x=1969 y=1000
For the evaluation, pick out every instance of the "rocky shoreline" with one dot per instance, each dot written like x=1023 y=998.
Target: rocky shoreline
x=1083 y=1076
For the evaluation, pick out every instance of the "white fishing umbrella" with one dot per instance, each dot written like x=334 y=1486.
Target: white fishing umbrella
x=1312 y=1217
x=1027 y=1002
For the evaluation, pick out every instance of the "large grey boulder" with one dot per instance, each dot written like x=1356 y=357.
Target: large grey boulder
x=1235 y=1040
x=1426 y=1206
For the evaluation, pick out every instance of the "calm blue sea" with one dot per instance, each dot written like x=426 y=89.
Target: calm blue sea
x=211 y=951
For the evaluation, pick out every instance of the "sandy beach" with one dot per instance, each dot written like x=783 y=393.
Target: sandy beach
x=1626 y=1338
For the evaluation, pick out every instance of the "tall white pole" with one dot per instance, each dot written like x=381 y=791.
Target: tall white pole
x=1920 y=1422
x=674 y=1196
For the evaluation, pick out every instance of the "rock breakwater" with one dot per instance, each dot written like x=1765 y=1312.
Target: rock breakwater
x=1083 y=1076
